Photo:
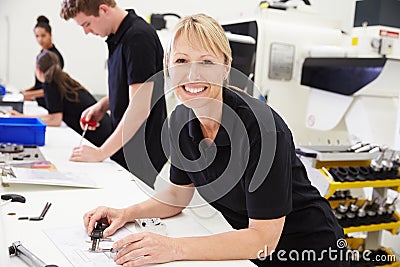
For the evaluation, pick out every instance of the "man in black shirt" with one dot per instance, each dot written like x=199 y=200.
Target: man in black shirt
x=135 y=55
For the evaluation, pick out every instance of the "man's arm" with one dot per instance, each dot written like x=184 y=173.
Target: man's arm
x=137 y=112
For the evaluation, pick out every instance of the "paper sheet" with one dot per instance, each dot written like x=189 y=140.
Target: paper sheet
x=72 y=242
x=48 y=177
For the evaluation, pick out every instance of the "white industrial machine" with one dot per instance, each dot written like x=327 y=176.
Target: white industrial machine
x=284 y=38
x=331 y=88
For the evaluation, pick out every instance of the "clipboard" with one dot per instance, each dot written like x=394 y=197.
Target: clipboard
x=46 y=177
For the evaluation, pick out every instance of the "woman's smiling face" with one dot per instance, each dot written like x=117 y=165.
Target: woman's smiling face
x=197 y=75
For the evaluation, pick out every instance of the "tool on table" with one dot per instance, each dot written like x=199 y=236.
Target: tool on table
x=96 y=236
x=18 y=250
x=11 y=148
x=154 y=225
x=12 y=198
x=40 y=217
x=92 y=123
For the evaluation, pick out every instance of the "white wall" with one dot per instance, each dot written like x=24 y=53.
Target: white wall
x=85 y=56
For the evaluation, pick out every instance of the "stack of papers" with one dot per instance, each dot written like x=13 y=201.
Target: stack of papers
x=47 y=177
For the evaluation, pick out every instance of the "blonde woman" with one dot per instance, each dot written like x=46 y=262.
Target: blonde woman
x=239 y=155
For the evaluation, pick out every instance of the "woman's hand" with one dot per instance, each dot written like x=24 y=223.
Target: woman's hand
x=115 y=218
x=146 y=248
x=87 y=154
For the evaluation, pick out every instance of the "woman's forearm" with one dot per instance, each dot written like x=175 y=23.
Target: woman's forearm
x=235 y=245
x=32 y=94
x=164 y=204
x=152 y=208
x=54 y=119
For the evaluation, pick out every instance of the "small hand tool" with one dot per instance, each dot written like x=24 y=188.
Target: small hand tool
x=92 y=123
x=12 y=198
x=41 y=216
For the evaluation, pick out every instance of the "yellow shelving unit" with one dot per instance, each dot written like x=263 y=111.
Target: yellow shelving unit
x=374 y=230
x=392 y=227
x=324 y=161
x=335 y=186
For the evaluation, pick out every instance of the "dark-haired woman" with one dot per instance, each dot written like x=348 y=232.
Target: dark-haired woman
x=65 y=99
x=43 y=36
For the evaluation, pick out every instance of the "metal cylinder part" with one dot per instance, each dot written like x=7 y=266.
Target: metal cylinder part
x=17 y=249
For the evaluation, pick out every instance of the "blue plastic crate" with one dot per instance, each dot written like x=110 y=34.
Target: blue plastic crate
x=25 y=131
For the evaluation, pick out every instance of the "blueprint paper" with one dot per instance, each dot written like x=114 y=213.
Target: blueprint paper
x=72 y=242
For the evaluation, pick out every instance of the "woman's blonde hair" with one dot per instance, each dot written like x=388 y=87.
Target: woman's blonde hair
x=203 y=31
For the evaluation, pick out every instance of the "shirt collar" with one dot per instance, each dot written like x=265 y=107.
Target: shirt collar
x=229 y=99
x=114 y=38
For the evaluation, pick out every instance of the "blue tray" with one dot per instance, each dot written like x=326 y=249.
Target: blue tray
x=25 y=131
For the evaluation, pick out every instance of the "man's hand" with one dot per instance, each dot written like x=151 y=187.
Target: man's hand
x=95 y=112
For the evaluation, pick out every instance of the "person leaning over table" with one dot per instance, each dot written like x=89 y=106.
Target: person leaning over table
x=221 y=134
x=135 y=56
x=44 y=38
x=65 y=99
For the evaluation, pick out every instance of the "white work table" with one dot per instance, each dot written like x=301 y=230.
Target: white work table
x=69 y=204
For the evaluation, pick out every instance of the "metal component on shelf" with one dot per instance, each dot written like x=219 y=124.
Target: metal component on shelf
x=375 y=149
x=365 y=148
x=342 y=208
x=391 y=208
x=361 y=213
x=353 y=171
x=355 y=146
x=339 y=216
x=371 y=213
x=350 y=215
x=396 y=158
x=353 y=206
x=363 y=170
x=376 y=164
x=382 y=210
x=387 y=163
x=373 y=205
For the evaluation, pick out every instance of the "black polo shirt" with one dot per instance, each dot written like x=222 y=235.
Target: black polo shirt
x=135 y=55
x=72 y=112
x=38 y=85
x=242 y=153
